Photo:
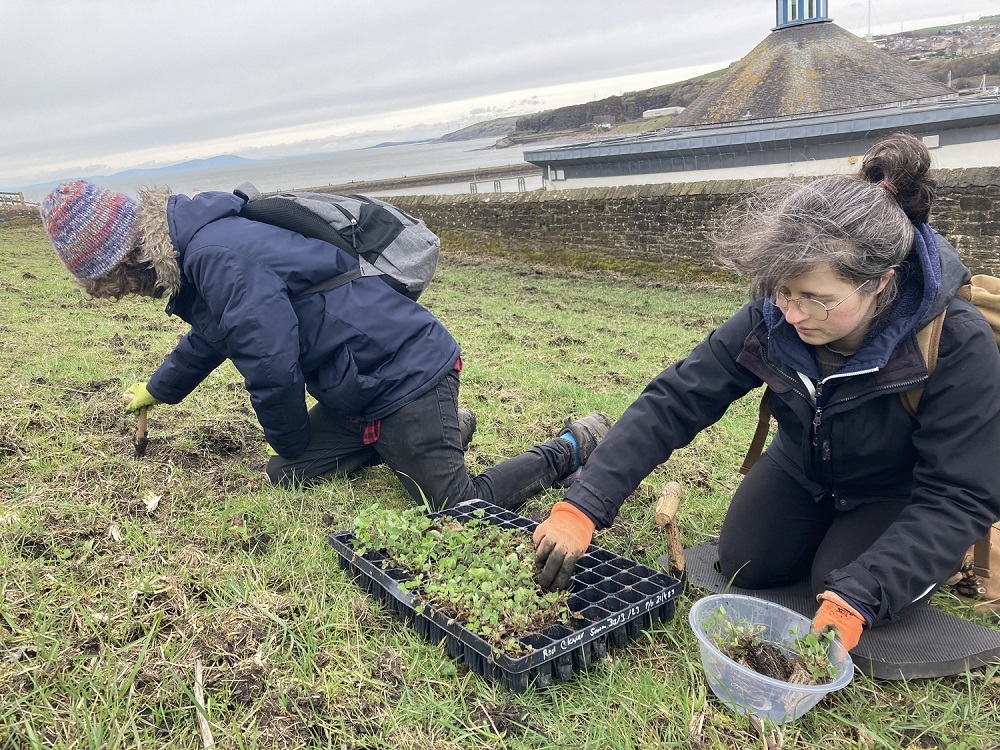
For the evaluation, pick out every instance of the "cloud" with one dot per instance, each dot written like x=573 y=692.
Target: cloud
x=119 y=83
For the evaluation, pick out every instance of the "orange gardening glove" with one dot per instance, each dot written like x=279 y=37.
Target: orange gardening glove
x=836 y=614
x=560 y=540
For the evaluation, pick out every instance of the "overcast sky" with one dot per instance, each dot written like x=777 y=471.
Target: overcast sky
x=95 y=86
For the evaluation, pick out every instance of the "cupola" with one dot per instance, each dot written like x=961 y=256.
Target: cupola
x=797 y=12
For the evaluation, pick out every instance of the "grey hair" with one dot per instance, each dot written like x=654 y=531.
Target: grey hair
x=861 y=226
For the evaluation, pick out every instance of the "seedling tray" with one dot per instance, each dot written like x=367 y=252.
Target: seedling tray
x=614 y=597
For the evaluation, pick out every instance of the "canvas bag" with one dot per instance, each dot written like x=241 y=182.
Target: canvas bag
x=387 y=241
x=979 y=576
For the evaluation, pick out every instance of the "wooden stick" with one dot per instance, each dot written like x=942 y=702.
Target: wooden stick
x=141 y=440
x=666 y=518
x=199 y=699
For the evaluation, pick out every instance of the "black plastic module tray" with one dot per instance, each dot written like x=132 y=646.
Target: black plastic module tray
x=615 y=598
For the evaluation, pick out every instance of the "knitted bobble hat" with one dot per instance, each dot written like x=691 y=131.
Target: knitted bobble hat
x=91 y=229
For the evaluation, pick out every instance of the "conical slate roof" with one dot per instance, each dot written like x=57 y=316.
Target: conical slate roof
x=813 y=67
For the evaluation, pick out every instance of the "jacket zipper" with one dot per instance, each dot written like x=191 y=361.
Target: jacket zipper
x=822 y=453
x=817 y=414
x=898 y=387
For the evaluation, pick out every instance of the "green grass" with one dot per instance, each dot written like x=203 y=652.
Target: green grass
x=118 y=573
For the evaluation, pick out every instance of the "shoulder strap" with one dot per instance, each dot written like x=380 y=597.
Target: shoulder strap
x=760 y=433
x=291 y=215
x=928 y=341
x=333 y=283
x=984 y=293
x=981 y=552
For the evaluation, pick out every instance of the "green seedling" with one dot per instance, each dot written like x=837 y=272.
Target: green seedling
x=813 y=650
x=806 y=661
x=476 y=572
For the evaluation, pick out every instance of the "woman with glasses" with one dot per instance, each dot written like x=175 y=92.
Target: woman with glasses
x=876 y=505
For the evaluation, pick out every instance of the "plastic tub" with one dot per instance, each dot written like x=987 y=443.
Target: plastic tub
x=742 y=689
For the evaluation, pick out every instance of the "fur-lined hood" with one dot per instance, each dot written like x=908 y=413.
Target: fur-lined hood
x=154 y=239
x=169 y=222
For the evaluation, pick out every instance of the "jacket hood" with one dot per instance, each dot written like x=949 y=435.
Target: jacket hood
x=186 y=216
x=167 y=223
x=953 y=274
x=157 y=249
x=929 y=277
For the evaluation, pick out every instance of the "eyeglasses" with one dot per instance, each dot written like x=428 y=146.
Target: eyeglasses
x=811 y=307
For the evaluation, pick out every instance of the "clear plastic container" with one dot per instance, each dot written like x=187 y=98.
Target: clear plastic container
x=742 y=689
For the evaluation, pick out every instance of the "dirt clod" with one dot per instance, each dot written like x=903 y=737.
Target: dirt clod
x=767 y=659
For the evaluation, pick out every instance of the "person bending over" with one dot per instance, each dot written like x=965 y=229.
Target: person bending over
x=875 y=505
x=383 y=370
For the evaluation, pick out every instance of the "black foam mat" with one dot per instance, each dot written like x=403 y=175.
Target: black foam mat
x=925 y=642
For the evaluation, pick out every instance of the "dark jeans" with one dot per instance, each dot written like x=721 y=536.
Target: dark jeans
x=775 y=533
x=422 y=444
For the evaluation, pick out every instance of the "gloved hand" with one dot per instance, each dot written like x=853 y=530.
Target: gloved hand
x=836 y=614
x=560 y=540
x=270 y=451
x=136 y=397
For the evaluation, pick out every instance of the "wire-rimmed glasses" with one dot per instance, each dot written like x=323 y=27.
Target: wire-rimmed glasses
x=811 y=307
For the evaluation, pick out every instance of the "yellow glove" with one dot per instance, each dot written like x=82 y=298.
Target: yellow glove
x=560 y=540
x=837 y=615
x=270 y=451
x=137 y=397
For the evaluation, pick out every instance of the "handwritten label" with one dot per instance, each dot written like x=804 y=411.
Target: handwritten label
x=572 y=640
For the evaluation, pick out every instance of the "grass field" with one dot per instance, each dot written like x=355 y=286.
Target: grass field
x=119 y=575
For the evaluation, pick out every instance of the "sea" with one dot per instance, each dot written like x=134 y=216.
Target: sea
x=339 y=167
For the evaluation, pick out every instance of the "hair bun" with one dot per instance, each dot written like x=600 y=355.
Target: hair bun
x=899 y=164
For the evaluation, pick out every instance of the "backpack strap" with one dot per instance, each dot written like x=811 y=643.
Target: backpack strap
x=984 y=293
x=290 y=215
x=759 y=434
x=981 y=553
x=928 y=341
x=294 y=216
x=325 y=286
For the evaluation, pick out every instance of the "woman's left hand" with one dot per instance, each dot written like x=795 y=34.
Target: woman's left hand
x=836 y=614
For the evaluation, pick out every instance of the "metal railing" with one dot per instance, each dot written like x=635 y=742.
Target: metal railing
x=498 y=186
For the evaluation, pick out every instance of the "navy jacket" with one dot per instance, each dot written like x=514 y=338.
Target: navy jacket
x=362 y=349
x=847 y=436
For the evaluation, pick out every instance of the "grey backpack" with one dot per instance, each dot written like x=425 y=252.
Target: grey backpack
x=388 y=242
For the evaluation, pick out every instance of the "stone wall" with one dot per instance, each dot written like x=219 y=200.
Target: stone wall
x=18 y=212
x=667 y=223
x=967 y=212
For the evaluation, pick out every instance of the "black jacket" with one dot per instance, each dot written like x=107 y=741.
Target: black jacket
x=848 y=436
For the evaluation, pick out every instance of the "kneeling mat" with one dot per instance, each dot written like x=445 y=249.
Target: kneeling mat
x=925 y=642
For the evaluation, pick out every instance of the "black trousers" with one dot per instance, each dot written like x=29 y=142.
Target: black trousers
x=776 y=533
x=422 y=444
